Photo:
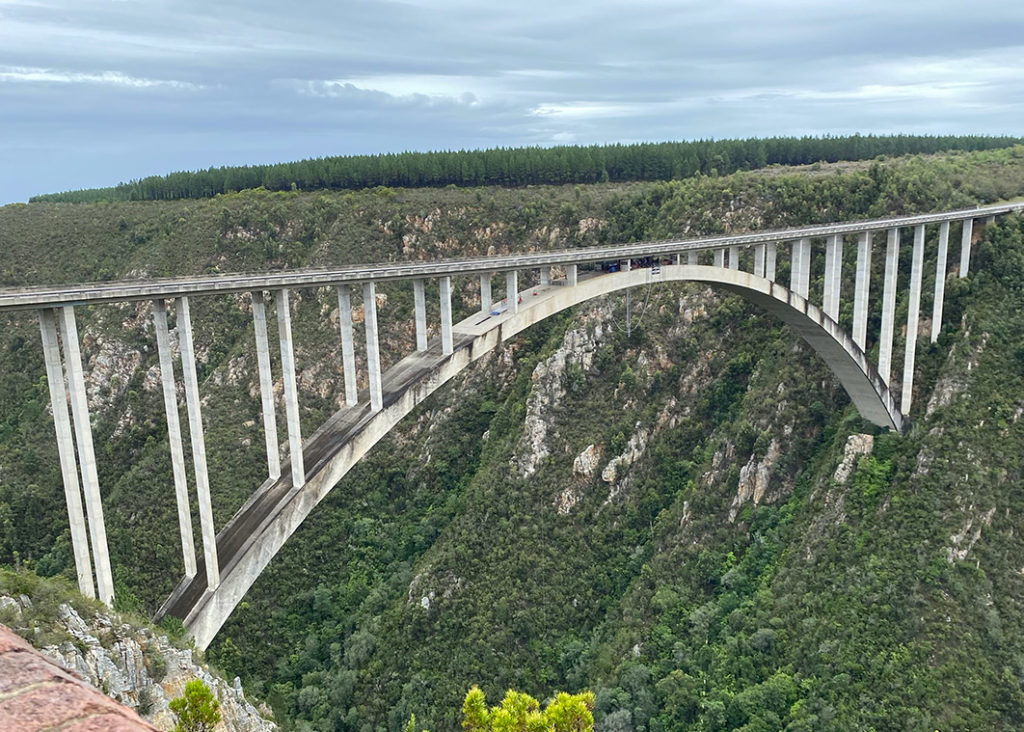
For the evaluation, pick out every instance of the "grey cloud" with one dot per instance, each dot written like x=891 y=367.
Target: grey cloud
x=236 y=81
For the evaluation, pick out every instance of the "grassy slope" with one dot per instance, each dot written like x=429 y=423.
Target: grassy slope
x=825 y=606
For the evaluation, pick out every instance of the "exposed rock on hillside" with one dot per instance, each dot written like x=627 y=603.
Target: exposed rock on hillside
x=134 y=666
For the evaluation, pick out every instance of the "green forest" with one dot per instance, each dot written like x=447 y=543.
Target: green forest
x=724 y=574
x=530 y=166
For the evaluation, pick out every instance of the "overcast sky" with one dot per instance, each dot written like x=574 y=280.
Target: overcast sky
x=95 y=92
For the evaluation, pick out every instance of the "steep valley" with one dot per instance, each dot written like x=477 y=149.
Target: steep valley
x=688 y=519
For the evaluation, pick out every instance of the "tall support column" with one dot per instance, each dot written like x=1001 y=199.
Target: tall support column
x=833 y=276
x=291 y=392
x=734 y=257
x=719 y=257
x=770 y=254
x=861 y=289
x=913 y=318
x=800 y=273
x=965 y=246
x=677 y=259
x=66 y=452
x=372 y=345
x=571 y=275
x=545 y=276
x=940 y=280
x=86 y=455
x=759 y=253
x=892 y=257
x=259 y=319
x=447 y=346
x=512 y=291
x=627 y=265
x=348 y=350
x=195 y=431
x=485 y=293
x=163 y=346
x=419 y=292
x=692 y=258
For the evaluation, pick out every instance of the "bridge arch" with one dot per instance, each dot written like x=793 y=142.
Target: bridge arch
x=260 y=528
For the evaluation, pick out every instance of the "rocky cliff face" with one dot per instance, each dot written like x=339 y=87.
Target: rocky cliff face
x=134 y=666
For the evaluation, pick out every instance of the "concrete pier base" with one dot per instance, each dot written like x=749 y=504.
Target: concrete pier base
x=348 y=349
x=512 y=291
x=86 y=454
x=800 y=272
x=861 y=288
x=66 y=453
x=195 y=431
x=759 y=255
x=372 y=345
x=446 y=315
x=913 y=319
x=892 y=257
x=163 y=346
x=940 y=280
x=965 y=247
x=259 y=318
x=485 y=293
x=833 y=276
x=291 y=392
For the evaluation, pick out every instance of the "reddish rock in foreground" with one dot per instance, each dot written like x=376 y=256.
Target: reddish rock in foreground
x=37 y=694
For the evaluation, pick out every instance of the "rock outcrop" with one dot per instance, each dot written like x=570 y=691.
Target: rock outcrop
x=136 y=667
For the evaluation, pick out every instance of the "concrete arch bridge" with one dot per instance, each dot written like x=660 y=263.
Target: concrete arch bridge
x=233 y=556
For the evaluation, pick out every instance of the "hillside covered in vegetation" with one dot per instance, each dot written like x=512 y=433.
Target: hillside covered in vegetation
x=691 y=520
x=530 y=166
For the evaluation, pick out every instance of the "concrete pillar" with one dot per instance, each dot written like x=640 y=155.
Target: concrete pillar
x=545 y=276
x=965 y=246
x=259 y=317
x=892 y=257
x=348 y=351
x=719 y=257
x=485 y=293
x=163 y=347
x=833 y=276
x=913 y=318
x=372 y=345
x=447 y=346
x=692 y=258
x=512 y=291
x=861 y=289
x=770 y=254
x=195 y=430
x=677 y=258
x=940 y=280
x=86 y=455
x=66 y=452
x=571 y=275
x=759 y=253
x=420 y=297
x=291 y=392
x=800 y=273
x=627 y=265
x=734 y=257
